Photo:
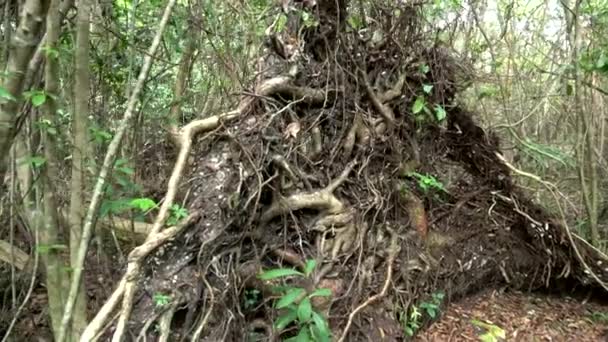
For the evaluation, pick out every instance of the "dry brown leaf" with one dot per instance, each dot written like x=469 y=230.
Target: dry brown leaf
x=292 y=130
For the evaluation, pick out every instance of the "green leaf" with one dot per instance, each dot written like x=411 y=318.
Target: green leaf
x=304 y=310
x=38 y=99
x=424 y=68
x=126 y=170
x=290 y=297
x=320 y=293
x=418 y=105
x=355 y=22
x=4 y=94
x=281 y=22
x=161 y=299
x=284 y=320
x=281 y=288
x=35 y=161
x=303 y=336
x=279 y=273
x=143 y=204
x=310 y=266
x=427 y=88
x=45 y=249
x=321 y=328
x=440 y=113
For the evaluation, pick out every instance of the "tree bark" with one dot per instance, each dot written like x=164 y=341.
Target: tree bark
x=79 y=152
x=22 y=48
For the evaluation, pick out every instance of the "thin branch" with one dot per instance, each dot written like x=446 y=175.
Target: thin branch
x=107 y=166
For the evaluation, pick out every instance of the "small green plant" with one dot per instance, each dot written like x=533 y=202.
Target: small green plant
x=427 y=182
x=599 y=317
x=5 y=95
x=177 y=214
x=37 y=97
x=432 y=307
x=493 y=333
x=296 y=305
x=161 y=299
x=413 y=321
x=251 y=298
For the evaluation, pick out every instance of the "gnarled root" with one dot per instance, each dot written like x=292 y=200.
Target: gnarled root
x=335 y=217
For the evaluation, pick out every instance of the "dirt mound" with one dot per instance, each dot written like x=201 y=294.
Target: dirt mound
x=352 y=151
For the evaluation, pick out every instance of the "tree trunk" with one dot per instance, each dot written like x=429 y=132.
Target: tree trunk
x=22 y=48
x=79 y=126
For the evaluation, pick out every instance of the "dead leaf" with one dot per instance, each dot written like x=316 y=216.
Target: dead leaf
x=292 y=130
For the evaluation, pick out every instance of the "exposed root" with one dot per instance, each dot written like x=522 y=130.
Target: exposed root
x=165 y=320
x=126 y=286
x=394 y=92
x=384 y=110
x=393 y=251
x=205 y=318
x=278 y=85
x=323 y=200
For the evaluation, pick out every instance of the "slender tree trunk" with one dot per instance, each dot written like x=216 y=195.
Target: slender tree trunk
x=587 y=163
x=6 y=34
x=79 y=125
x=180 y=84
x=58 y=278
x=23 y=45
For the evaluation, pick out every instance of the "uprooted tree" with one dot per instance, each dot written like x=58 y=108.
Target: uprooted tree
x=350 y=148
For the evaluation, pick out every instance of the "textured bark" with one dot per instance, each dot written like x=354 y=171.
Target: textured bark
x=23 y=46
x=55 y=261
x=79 y=153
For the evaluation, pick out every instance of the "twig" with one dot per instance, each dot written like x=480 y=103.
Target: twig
x=392 y=254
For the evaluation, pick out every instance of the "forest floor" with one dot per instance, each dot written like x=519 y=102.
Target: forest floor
x=523 y=317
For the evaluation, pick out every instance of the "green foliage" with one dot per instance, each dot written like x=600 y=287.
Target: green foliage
x=36 y=97
x=440 y=113
x=424 y=68
x=178 y=213
x=418 y=105
x=5 y=95
x=35 y=161
x=599 y=317
x=279 y=273
x=412 y=321
x=280 y=23
x=308 y=20
x=143 y=204
x=427 y=182
x=493 y=333
x=46 y=126
x=251 y=298
x=355 y=22
x=161 y=300
x=100 y=136
x=50 y=52
x=46 y=249
x=296 y=305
